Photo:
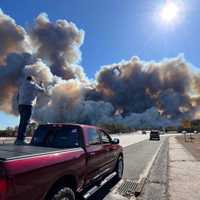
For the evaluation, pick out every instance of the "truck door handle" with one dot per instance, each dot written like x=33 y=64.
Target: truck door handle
x=92 y=153
x=109 y=149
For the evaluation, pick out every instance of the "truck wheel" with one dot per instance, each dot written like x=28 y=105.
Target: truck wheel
x=62 y=193
x=119 y=168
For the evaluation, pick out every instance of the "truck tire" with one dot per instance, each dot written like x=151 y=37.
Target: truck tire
x=119 y=168
x=61 y=193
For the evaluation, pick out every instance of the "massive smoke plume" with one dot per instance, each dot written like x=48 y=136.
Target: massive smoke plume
x=12 y=37
x=133 y=92
x=165 y=85
x=58 y=43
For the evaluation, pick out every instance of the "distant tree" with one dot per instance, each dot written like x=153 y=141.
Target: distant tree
x=195 y=124
x=115 y=128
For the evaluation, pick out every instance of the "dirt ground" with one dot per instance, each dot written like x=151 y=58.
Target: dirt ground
x=192 y=144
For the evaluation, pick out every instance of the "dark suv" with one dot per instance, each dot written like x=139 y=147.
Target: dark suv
x=154 y=135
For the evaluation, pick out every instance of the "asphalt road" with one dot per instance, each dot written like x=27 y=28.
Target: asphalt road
x=136 y=159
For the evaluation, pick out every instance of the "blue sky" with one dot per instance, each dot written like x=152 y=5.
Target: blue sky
x=116 y=30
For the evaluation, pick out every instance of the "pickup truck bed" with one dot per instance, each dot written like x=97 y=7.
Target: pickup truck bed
x=13 y=152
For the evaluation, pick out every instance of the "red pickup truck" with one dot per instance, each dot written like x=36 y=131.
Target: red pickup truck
x=61 y=162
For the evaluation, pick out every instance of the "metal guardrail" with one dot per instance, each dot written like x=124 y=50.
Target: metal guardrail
x=10 y=140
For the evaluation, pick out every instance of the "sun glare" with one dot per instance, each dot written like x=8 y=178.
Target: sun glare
x=169 y=12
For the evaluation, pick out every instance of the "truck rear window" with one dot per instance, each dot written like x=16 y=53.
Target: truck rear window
x=57 y=137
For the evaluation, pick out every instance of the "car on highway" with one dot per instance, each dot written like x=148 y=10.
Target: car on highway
x=144 y=132
x=61 y=162
x=154 y=135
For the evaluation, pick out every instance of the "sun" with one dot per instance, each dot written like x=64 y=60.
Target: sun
x=169 y=12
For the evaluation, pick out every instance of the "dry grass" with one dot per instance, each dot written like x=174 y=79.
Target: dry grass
x=192 y=145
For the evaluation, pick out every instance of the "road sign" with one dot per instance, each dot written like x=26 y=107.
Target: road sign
x=186 y=124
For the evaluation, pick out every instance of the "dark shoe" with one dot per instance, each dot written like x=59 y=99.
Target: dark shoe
x=20 y=142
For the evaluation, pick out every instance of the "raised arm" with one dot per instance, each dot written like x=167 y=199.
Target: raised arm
x=17 y=96
x=39 y=88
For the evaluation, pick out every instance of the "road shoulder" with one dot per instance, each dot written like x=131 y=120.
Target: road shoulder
x=184 y=173
x=157 y=181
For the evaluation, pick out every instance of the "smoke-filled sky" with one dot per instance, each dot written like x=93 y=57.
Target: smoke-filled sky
x=147 y=64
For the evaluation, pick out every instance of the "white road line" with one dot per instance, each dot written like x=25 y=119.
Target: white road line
x=146 y=171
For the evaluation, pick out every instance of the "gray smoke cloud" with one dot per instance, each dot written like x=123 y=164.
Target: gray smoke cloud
x=13 y=37
x=166 y=85
x=11 y=73
x=133 y=92
x=59 y=43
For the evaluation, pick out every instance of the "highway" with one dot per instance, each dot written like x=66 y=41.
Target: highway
x=136 y=160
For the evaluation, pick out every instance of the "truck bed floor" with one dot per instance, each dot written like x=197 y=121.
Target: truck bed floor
x=11 y=151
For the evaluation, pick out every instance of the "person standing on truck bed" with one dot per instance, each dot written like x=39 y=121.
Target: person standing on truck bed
x=27 y=96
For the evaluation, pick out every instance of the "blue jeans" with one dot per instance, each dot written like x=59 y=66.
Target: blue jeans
x=25 y=112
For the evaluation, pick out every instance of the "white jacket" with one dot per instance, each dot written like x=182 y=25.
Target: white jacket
x=28 y=93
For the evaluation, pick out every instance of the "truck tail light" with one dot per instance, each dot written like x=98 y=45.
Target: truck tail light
x=3 y=181
x=3 y=185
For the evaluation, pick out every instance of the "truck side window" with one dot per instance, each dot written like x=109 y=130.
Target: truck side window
x=93 y=137
x=104 y=137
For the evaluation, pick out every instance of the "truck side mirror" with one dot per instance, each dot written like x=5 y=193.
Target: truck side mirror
x=115 y=141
